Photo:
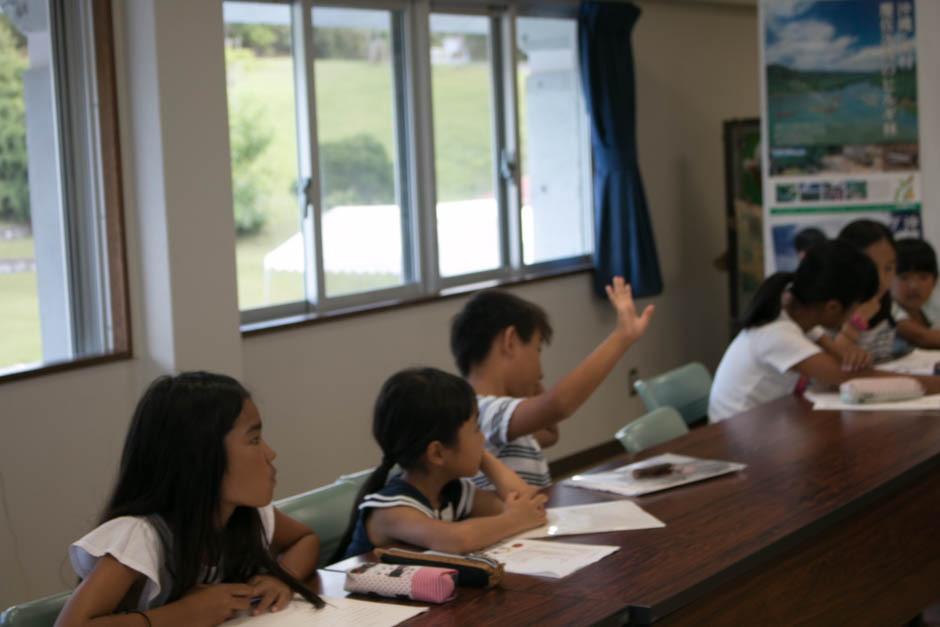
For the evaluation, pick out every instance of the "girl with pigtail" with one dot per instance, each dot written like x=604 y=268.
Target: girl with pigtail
x=425 y=422
x=766 y=360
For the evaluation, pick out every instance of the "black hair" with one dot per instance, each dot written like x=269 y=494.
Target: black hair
x=807 y=238
x=172 y=466
x=830 y=270
x=484 y=317
x=915 y=255
x=415 y=407
x=862 y=234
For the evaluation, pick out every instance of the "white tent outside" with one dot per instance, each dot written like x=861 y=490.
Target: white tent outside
x=365 y=239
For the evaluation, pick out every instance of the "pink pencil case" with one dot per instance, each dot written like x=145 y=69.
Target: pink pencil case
x=419 y=583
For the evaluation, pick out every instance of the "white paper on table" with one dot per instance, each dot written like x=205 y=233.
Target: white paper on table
x=918 y=361
x=547 y=559
x=593 y=518
x=339 y=611
x=832 y=401
x=621 y=480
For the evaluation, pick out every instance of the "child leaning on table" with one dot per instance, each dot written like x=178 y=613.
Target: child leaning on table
x=766 y=359
x=914 y=282
x=189 y=536
x=497 y=342
x=425 y=421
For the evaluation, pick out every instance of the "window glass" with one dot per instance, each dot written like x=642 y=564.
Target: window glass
x=358 y=130
x=24 y=79
x=263 y=140
x=467 y=211
x=555 y=142
x=61 y=257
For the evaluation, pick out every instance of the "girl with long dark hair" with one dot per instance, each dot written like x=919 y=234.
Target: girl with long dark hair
x=425 y=422
x=189 y=536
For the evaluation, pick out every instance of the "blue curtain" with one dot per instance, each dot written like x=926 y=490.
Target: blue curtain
x=623 y=235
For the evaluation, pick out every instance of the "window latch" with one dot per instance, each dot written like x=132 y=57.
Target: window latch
x=508 y=165
x=306 y=193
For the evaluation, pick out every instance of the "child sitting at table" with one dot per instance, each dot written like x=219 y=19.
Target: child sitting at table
x=497 y=342
x=873 y=325
x=767 y=358
x=913 y=283
x=189 y=536
x=425 y=421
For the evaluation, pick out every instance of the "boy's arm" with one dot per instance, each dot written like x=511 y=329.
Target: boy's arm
x=504 y=479
x=917 y=334
x=573 y=389
x=547 y=437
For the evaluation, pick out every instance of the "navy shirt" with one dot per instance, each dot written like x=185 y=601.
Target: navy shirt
x=456 y=503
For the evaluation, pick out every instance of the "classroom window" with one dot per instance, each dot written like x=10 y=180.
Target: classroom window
x=61 y=242
x=468 y=224
x=555 y=142
x=374 y=152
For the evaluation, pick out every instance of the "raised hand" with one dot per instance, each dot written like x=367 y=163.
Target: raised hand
x=629 y=323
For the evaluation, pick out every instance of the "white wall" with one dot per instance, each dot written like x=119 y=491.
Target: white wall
x=62 y=433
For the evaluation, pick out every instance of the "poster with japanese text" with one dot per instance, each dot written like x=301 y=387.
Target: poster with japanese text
x=840 y=115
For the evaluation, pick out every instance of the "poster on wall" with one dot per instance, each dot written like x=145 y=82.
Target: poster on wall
x=840 y=118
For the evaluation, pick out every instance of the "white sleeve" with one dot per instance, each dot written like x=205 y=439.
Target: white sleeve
x=782 y=345
x=816 y=333
x=133 y=542
x=495 y=414
x=267 y=522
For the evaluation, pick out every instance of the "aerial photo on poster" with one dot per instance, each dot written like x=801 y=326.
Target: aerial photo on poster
x=840 y=116
x=841 y=85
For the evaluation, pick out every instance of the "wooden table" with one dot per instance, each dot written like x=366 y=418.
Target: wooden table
x=835 y=521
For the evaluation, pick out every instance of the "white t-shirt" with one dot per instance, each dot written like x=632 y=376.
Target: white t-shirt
x=134 y=542
x=756 y=367
x=523 y=455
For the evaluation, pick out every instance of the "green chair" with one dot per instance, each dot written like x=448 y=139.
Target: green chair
x=356 y=478
x=686 y=389
x=658 y=426
x=38 y=613
x=326 y=510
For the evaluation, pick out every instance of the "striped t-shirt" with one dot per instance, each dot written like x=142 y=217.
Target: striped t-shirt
x=456 y=504
x=523 y=455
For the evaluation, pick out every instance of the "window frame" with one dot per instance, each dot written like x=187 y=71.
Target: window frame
x=425 y=282
x=95 y=247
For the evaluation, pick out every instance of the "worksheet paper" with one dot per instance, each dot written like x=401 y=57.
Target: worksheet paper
x=918 y=361
x=547 y=559
x=593 y=518
x=686 y=470
x=832 y=401
x=339 y=612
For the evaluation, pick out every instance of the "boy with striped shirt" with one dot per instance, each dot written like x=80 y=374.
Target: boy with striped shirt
x=497 y=342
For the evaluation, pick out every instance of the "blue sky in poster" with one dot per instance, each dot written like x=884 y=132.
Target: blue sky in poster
x=830 y=35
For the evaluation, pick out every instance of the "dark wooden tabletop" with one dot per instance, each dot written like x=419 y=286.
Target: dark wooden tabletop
x=806 y=472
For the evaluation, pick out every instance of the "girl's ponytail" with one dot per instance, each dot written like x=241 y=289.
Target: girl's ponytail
x=374 y=483
x=765 y=304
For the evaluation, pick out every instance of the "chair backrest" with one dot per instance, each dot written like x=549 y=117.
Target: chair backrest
x=38 y=613
x=660 y=425
x=356 y=478
x=326 y=510
x=686 y=389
